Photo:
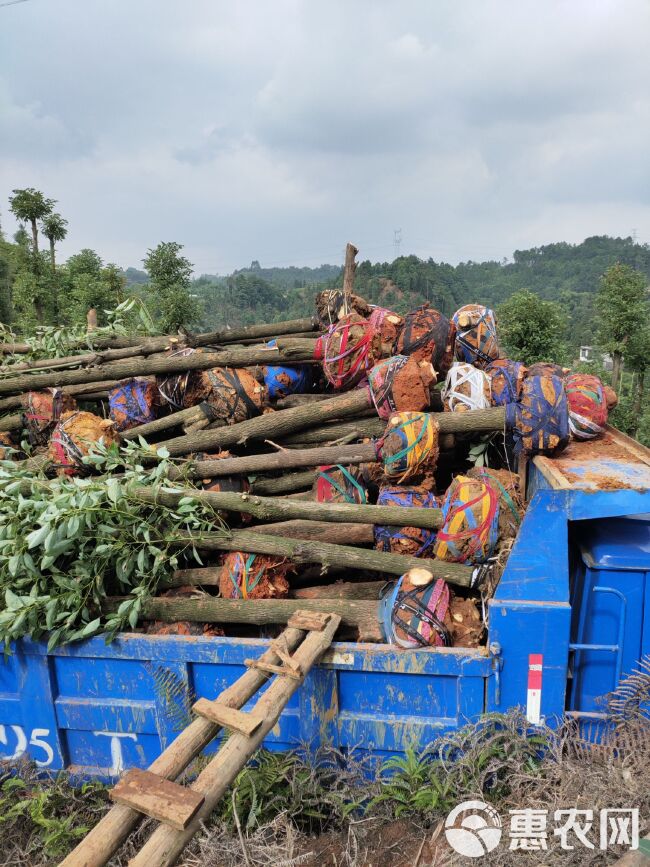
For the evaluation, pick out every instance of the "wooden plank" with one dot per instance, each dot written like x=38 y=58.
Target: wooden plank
x=552 y=472
x=157 y=797
x=282 y=670
x=228 y=717
x=314 y=621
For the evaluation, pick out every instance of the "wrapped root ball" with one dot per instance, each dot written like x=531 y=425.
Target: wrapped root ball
x=470 y=530
x=611 y=398
x=253 y=576
x=330 y=306
x=133 y=402
x=506 y=378
x=511 y=506
x=388 y=325
x=547 y=368
x=413 y=541
x=427 y=335
x=349 y=349
x=409 y=447
x=413 y=612
x=42 y=410
x=338 y=484
x=283 y=381
x=540 y=419
x=233 y=394
x=587 y=405
x=466 y=388
x=173 y=388
x=464 y=622
x=476 y=335
x=75 y=436
x=6 y=445
x=401 y=384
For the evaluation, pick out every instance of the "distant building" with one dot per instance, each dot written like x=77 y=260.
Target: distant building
x=589 y=354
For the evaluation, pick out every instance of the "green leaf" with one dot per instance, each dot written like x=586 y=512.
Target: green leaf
x=37 y=536
x=91 y=627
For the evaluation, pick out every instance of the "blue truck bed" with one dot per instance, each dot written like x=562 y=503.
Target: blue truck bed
x=553 y=641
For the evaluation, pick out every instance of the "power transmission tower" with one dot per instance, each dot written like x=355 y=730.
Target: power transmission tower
x=397 y=241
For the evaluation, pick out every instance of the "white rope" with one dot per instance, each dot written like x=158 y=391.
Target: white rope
x=475 y=383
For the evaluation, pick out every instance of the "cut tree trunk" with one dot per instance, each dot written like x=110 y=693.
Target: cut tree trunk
x=285 y=484
x=300 y=551
x=342 y=590
x=264 y=508
x=79 y=391
x=361 y=614
x=194 y=414
x=141 y=366
x=349 y=271
x=617 y=367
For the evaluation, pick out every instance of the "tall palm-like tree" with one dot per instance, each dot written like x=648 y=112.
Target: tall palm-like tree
x=54 y=227
x=28 y=206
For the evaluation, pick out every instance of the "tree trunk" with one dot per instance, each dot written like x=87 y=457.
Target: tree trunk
x=285 y=484
x=359 y=454
x=349 y=271
x=34 y=235
x=300 y=552
x=264 y=508
x=142 y=366
x=271 y=426
x=81 y=391
x=637 y=407
x=52 y=254
x=199 y=413
x=361 y=614
x=617 y=358
x=342 y=590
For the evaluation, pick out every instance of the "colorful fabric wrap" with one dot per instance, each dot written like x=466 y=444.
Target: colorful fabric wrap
x=540 y=418
x=466 y=387
x=410 y=498
x=347 y=351
x=506 y=378
x=386 y=322
x=172 y=388
x=253 y=576
x=244 y=573
x=43 y=409
x=470 y=530
x=380 y=382
x=133 y=402
x=587 y=405
x=417 y=433
x=509 y=512
x=476 y=334
x=282 y=381
x=428 y=336
x=335 y=483
x=415 y=617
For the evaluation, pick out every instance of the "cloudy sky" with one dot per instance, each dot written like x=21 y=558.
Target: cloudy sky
x=280 y=129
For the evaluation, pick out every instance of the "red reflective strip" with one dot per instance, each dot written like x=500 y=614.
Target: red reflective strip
x=535 y=665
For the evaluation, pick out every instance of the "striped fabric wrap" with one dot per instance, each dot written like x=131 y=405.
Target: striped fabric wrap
x=587 y=405
x=253 y=576
x=349 y=349
x=415 y=616
x=338 y=484
x=427 y=335
x=511 y=506
x=413 y=541
x=466 y=387
x=540 y=419
x=470 y=530
x=172 y=388
x=506 y=378
x=476 y=334
x=409 y=445
x=42 y=410
x=133 y=402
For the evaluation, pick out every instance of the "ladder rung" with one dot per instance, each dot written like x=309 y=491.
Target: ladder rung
x=274 y=669
x=314 y=621
x=279 y=646
x=228 y=717
x=157 y=797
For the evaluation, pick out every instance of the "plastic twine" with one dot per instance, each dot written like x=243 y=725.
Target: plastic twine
x=476 y=334
x=350 y=489
x=346 y=353
x=470 y=522
x=418 y=433
x=466 y=388
x=506 y=378
x=413 y=498
x=587 y=405
x=540 y=418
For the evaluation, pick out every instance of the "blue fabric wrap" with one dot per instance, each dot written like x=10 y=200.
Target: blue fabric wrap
x=299 y=379
x=508 y=376
x=129 y=399
x=534 y=413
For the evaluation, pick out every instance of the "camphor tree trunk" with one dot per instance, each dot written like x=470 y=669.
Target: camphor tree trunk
x=617 y=358
x=637 y=407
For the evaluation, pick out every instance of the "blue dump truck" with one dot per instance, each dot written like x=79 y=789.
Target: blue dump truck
x=569 y=618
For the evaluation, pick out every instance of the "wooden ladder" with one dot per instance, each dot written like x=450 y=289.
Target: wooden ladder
x=180 y=809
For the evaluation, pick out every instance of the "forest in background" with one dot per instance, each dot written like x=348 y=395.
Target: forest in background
x=549 y=300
